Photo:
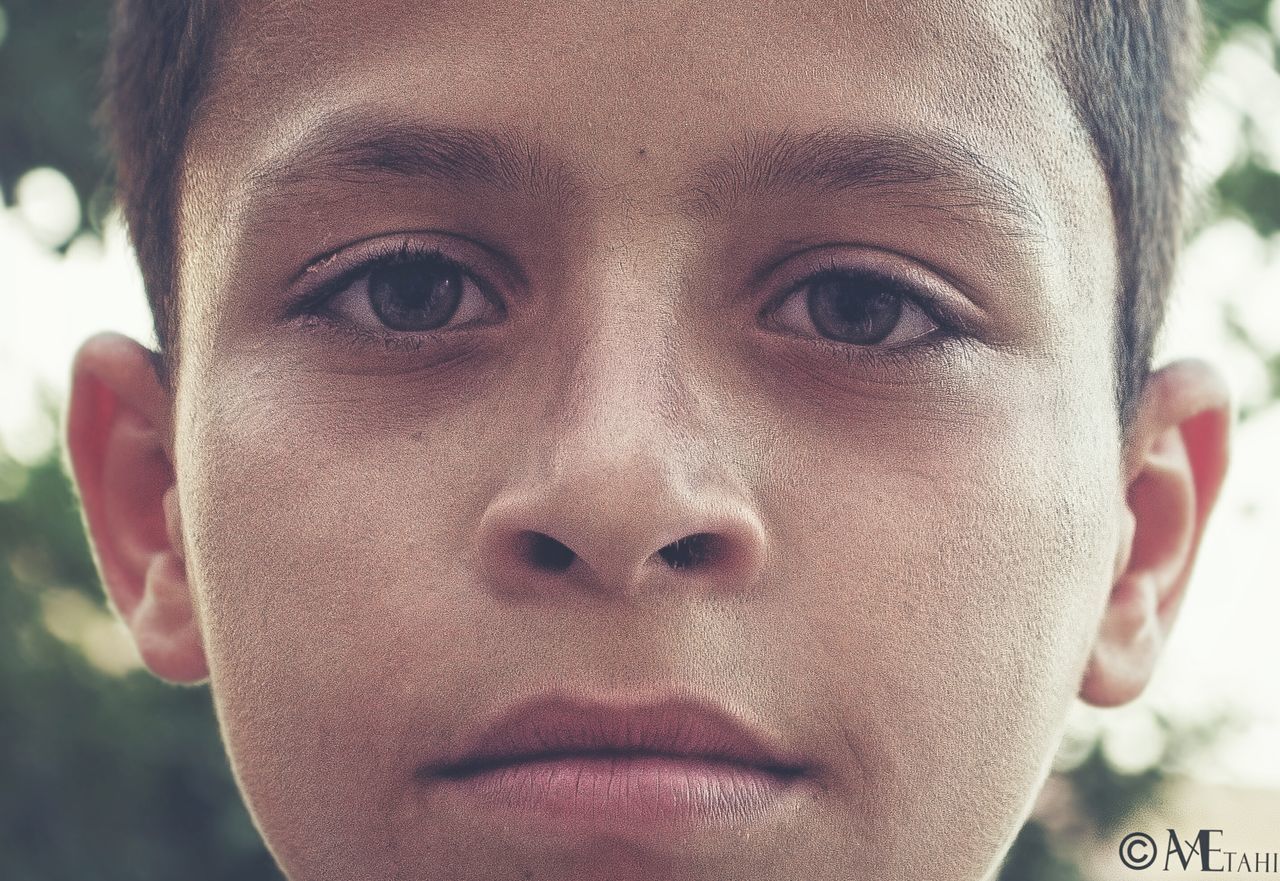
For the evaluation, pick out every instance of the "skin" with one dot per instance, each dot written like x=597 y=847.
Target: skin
x=920 y=564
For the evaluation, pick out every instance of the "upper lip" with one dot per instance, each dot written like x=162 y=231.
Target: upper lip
x=560 y=724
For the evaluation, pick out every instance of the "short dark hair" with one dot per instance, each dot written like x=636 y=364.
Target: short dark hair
x=160 y=56
x=1129 y=67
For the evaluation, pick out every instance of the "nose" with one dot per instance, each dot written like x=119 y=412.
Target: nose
x=614 y=529
x=623 y=486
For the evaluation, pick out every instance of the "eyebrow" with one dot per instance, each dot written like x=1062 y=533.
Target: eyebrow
x=357 y=148
x=937 y=167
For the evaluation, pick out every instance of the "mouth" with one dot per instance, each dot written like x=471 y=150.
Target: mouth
x=666 y=764
x=463 y=770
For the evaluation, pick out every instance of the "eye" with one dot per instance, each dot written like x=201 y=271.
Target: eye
x=409 y=291
x=854 y=306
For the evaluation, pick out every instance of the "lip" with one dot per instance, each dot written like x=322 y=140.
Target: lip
x=579 y=763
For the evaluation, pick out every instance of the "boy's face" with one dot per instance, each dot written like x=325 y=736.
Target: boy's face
x=661 y=317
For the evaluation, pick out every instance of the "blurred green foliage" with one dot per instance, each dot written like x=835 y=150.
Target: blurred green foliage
x=1035 y=857
x=107 y=776
x=50 y=66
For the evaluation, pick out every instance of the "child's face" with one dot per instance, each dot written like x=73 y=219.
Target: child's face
x=914 y=505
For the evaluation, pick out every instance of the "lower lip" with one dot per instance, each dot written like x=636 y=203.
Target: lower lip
x=629 y=791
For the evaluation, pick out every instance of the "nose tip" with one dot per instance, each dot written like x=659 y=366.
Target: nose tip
x=618 y=541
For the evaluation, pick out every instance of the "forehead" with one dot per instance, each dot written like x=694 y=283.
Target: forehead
x=611 y=73
x=637 y=102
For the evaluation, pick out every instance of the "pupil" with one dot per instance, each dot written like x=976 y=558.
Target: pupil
x=852 y=309
x=416 y=295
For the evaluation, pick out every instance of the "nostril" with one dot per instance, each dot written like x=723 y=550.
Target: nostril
x=692 y=550
x=547 y=553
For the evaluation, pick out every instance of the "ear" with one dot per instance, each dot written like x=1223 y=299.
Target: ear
x=1175 y=461
x=119 y=443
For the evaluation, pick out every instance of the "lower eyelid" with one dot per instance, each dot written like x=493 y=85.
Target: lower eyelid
x=896 y=364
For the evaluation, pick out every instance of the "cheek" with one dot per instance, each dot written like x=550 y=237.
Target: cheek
x=326 y=563
x=950 y=604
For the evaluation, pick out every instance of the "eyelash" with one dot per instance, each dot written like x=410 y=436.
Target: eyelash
x=313 y=309
x=946 y=338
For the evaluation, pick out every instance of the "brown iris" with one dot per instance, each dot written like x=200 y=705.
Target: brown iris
x=860 y=309
x=415 y=295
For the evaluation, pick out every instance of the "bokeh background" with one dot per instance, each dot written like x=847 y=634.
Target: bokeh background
x=105 y=773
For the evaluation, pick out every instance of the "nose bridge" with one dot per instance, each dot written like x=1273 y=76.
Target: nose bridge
x=623 y=391
x=626 y=396
x=620 y=473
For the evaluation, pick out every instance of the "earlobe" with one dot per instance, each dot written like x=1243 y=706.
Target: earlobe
x=1176 y=460
x=119 y=445
x=1128 y=644
x=165 y=626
